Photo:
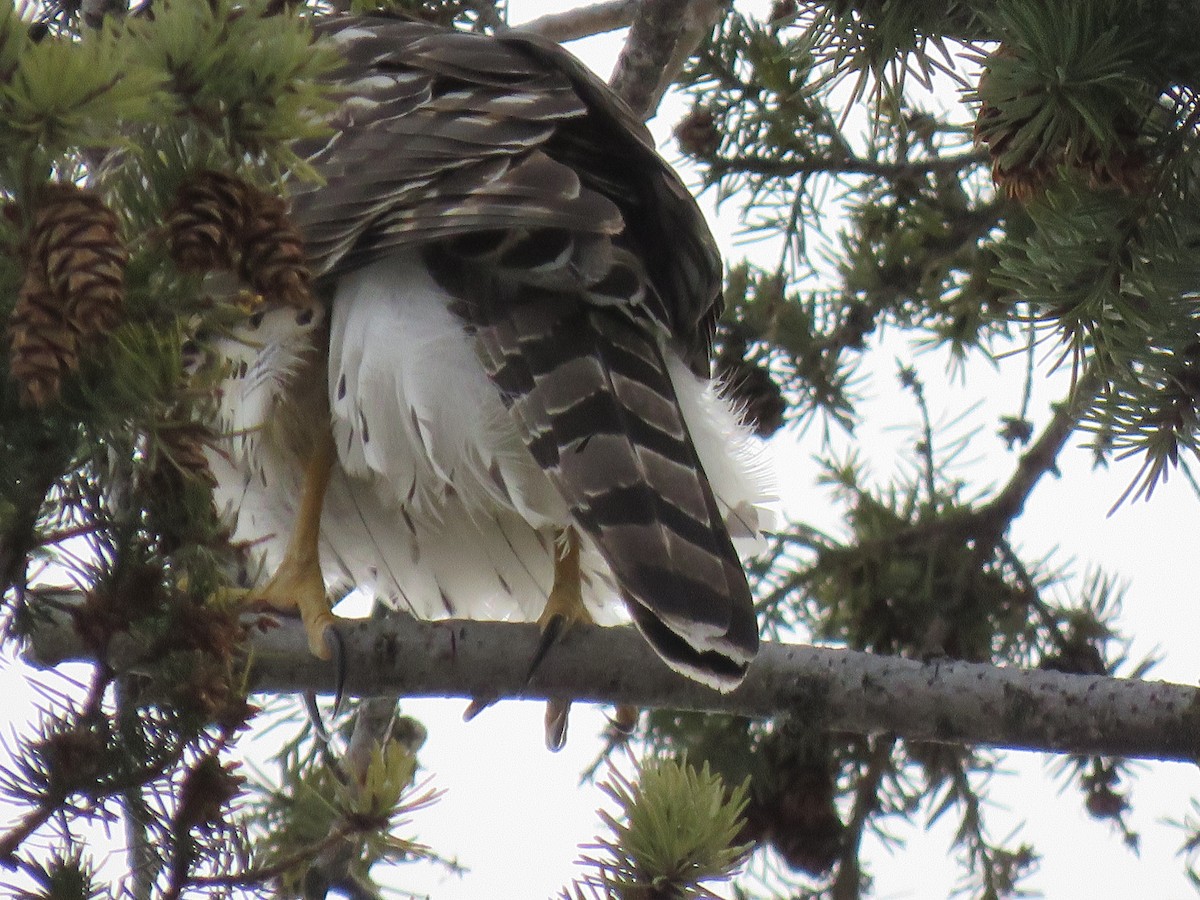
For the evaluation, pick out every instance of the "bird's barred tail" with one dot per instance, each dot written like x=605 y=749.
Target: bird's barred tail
x=599 y=412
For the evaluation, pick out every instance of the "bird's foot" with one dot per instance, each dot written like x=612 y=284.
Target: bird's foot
x=298 y=583
x=298 y=587
x=564 y=607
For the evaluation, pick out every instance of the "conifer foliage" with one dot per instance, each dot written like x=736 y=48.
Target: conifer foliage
x=139 y=152
x=1049 y=214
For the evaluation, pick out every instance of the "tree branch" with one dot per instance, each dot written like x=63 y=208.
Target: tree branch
x=944 y=701
x=583 y=22
x=852 y=165
x=1042 y=455
x=663 y=34
x=847 y=885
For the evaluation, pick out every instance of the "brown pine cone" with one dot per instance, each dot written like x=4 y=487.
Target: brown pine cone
x=75 y=240
x=1024 y=176
x=1020 y=181
x=697 y=133
x=750 y=386
x=205 y=225
x=273 y=260
x=43 y=346
x=206 y=791
x=184 y=446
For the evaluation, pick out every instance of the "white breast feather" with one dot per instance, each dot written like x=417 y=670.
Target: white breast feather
x=435 y=504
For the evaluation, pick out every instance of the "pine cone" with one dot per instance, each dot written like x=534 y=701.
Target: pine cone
x=273 y=260
x=805 y=828
x=184 y=447
x=205 y=225
x=697 y=133
x=1123 y=167
x=750 y=386
x=783 y=9
x=76 y=240
x=178 y=486
x=206 y=791
x=44 y=347
x=795 y=793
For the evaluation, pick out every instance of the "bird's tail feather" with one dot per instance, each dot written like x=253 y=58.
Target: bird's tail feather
x=596 y=405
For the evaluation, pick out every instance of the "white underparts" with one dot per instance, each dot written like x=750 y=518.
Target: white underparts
x=436 y=505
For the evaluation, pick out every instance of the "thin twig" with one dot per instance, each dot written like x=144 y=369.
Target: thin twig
x=853 y=165
x=988 y=522
x=1042 y=455
x=848 y=884
x=144 y=862
x=260 y=875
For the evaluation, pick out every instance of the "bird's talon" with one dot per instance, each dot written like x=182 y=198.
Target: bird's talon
x=322 y=634
x=553 y=628
x=476 y=706
x=552 y=625
x=315 y=717
x=336 y=645
x=557 y=717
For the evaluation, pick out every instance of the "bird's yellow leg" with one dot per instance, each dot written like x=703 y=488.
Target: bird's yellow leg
x=298 y=583
x=564 y=606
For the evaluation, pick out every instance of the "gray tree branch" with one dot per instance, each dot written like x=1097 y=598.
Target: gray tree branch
x=941 y=701
x=663 y=34
x=583 y=22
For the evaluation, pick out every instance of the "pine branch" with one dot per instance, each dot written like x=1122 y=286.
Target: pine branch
x=988 y=522
x=261 y=875
x=852 y=165
x=662 y=36
x=332 y=864
x=1040 y=458
x=144 y=861
x=583 y=22
x=941 y=701
x=847 y=884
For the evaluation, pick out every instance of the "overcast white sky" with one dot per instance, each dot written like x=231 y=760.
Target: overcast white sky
x=514 y=813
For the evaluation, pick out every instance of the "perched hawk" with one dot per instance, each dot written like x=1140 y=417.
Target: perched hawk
x=502 y=408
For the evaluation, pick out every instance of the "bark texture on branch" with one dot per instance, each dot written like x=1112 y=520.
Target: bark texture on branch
x=663 y=34
x=950 y=702
x=585 y=21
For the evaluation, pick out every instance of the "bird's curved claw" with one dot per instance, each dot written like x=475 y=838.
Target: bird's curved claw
x=314 y=716
x=336 y=645
x=476 y=706
x=557 y=716
x=552 y=629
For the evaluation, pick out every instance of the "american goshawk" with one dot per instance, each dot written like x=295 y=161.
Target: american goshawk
x=502 y=407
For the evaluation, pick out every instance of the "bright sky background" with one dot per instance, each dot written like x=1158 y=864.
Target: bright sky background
x=515 y=813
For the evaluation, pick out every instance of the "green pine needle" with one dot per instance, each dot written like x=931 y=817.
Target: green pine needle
x=676 y=830
x=252 y=80
x=69 y=876
x=67 y=94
